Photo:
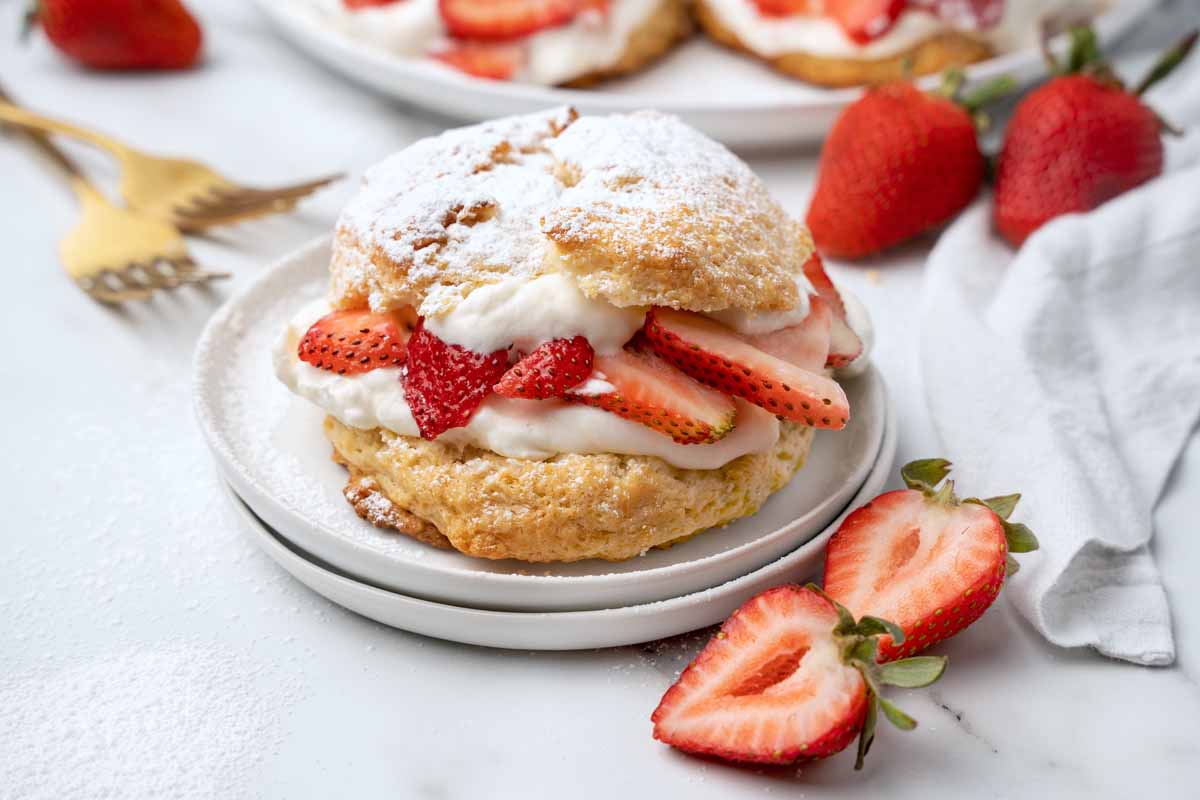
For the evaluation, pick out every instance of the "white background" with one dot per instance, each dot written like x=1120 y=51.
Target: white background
x=148 y=650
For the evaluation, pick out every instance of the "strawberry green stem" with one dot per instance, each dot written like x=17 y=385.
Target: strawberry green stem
x=988 y=93
x=1085 y=48
x=952 y=81
x=1167 y=62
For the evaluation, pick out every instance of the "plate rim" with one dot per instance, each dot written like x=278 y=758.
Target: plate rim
x=1111 y=23
x=707 y=606
x=264 y=503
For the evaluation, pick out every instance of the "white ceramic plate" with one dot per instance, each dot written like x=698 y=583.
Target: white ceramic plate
x=731 y=98
x=564 y=630
x=269 y=445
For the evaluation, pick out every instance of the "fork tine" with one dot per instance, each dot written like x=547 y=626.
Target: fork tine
x=232 y=201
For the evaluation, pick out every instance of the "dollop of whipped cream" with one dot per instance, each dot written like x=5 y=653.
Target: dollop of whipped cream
x=590 y=42
x=527 y=429
x=526 y=313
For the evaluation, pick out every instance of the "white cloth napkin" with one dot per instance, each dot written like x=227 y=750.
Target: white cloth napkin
x=1070 y=371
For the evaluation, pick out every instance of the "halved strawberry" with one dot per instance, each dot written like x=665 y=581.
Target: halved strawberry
x=551 y=369
x=715 y=355
x=509 y=19
x=861 y=20
x=648 y=390
x=805 y=345
x=922 y=559
x=791 y=675
x=844 y=344
x=353 y=342
x=445 y=383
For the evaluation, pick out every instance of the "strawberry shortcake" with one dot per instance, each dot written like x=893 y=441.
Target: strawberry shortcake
x=549 y=42
x=554 y=338
x=856 y=42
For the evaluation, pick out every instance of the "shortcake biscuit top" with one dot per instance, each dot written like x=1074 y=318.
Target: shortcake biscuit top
x=640 y=208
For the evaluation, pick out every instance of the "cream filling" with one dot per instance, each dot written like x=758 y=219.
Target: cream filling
x=528 y=429
x=590 y=42
x=776 y=36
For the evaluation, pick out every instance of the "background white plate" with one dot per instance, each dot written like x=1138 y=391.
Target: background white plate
x=567 y=630
x=269 y=445
x=728 y=96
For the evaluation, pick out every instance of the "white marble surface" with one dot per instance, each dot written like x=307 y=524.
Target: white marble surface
x=148 y=650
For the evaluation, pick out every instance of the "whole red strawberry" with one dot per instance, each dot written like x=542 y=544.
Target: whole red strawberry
x=1078 y=141
x=898 y=162
x=121 y=34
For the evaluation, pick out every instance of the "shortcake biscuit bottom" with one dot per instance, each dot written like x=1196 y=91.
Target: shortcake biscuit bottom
x=933 y=55
x=567 y=508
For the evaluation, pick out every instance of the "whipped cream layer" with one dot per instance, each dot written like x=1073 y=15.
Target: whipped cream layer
x=530 y=429
x=591 y=41
x=525 y=313
x=775 y=36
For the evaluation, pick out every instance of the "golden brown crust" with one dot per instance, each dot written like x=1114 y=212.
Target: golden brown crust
x=669 y=24
x=642 y=209
x=567 y=508
x=939 y=52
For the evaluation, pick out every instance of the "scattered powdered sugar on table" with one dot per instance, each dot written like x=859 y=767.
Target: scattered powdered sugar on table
x=187 y=720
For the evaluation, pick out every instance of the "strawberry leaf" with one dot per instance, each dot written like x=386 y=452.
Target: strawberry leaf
x=912 y=673
x=897 y=717
x=871 y=626
x=1011 y=566
x=925 y=474
x=867 y=735
x=1002 y=506
x=1020 y=538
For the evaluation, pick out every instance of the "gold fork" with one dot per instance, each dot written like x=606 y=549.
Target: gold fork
x=117 y=255
x=187 y=194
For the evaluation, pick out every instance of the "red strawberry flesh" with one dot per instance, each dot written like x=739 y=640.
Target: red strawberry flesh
x=445 y=383
x=931 y=568
x=499 y=20
x=844 y=344
x=548 y=371
x=353 y=342
x=805 y=345
x=491 y=61
x=714 y=355
x=769 y=688
x=648 y=390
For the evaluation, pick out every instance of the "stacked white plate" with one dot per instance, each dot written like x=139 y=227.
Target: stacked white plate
x=269 y=447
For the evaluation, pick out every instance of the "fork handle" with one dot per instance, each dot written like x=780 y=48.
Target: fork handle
x=24 y=118
x=82 y=187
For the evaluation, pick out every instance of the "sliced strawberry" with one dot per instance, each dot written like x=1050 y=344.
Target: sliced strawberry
x=805 y=345
x=352 y=342
x=789 y=676
x=923 y=559
x=788 y=8
x=551 y=369
x=715 y=355
x=864 y=21
x=497 y=62
x=861 y=20
x=509 y=19
x=844 y=344
x=445 y=383
x=646 y=389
